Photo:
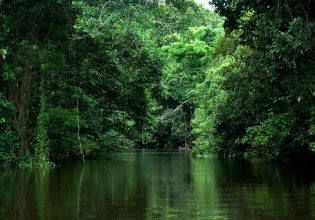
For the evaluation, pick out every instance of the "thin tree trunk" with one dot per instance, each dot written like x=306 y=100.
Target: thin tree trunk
x=78 y=127
x=78 y=112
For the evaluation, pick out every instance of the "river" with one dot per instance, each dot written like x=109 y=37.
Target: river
x=159 y=185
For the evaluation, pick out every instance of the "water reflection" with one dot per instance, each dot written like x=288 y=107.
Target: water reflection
x=159 y=185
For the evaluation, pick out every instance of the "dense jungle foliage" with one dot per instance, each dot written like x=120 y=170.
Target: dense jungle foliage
x=88 y=78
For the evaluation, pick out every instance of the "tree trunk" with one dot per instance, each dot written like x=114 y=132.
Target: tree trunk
x=21 y=103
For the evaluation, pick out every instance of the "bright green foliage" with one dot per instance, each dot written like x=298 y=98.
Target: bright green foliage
x=208 y=115
x=186 y=58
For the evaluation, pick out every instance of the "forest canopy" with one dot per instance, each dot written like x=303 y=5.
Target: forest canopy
x=86 y=79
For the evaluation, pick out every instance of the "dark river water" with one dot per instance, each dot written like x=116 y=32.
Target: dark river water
x=159 y=185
